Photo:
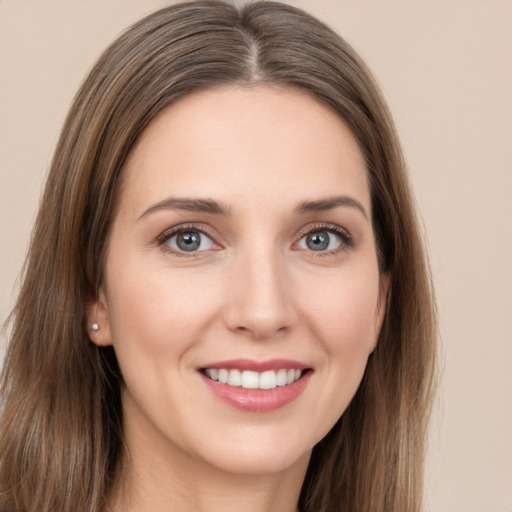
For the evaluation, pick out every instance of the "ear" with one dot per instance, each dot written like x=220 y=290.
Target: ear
x=97 y=315
x=382 y=306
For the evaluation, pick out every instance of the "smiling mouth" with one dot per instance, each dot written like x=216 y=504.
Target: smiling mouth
x=249 y=379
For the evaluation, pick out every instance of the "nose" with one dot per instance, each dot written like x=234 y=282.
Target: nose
x=260 y=303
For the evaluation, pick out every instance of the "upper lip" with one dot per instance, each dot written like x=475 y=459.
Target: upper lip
x=256 y=366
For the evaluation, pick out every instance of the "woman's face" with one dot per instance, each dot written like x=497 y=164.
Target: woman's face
x=242 y=251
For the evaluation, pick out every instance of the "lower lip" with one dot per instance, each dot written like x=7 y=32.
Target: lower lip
x=258 y=400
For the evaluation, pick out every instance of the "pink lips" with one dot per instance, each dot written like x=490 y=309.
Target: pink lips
x=258 y=366
x=258 y=400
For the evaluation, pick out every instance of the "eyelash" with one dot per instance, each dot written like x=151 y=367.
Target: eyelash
x=164 y=237
x=347 y=242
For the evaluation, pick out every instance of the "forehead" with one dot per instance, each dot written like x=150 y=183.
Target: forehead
x=241 y=144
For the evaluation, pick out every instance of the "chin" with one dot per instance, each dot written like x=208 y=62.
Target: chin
x=260 y=451
x=260 y=462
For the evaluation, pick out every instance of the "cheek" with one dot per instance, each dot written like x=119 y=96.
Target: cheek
x=344 y=311
x=159 y=307
x=157 y=316
x=344 y=321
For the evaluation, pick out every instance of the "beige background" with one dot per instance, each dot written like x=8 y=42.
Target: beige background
x=445 y=67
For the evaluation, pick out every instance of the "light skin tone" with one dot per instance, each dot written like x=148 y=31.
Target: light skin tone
x=243 y=232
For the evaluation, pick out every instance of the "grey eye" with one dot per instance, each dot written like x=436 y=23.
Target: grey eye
x=189 y=241
x=320 y=241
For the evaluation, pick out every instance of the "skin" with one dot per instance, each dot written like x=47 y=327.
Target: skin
x=257 y=291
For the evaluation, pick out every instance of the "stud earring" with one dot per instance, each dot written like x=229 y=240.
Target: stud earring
x=95 y=328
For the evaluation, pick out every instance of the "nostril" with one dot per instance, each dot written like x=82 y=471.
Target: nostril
x=259 y=332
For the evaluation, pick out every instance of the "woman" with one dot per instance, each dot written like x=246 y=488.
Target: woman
x=226 y=302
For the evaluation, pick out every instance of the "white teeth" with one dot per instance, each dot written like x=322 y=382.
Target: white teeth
x=250 y=380
x=268 y=380
x=223 y=376
x=235 y=378
x=281 y=377
x=253 y=380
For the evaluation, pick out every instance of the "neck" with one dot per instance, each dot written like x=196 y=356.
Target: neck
x=150 y=478
x=140 y=488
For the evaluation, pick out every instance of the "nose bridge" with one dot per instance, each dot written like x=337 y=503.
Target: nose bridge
x=260 y=300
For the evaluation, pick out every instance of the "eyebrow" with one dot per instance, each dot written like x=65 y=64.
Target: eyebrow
x=322 y=205
x=190 y=205
x=215 y=208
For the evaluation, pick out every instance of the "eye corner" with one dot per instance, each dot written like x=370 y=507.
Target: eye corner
x=195 y=240
x=329 y=239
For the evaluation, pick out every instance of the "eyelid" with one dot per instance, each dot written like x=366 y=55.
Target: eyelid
x=167 y=234
x=347 y=241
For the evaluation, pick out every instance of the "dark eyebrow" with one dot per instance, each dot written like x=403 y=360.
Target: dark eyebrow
x=322 y=205
x=190 y=205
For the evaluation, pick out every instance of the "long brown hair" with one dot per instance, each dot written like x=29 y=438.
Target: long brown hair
x=61 y=427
